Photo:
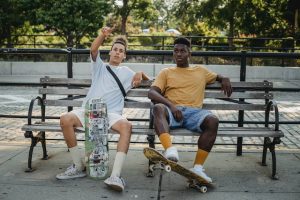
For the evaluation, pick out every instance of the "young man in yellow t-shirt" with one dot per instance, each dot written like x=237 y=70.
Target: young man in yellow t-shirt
x=178 y=93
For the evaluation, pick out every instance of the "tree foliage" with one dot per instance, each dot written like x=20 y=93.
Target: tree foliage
x=12 y=20
x=71 y=19
x=142 y=9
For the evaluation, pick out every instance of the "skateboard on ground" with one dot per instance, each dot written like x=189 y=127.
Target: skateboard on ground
x=96 y=138
x=194 y=181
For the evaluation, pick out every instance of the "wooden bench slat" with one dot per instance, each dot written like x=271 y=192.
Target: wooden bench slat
x=145 y=105
x=138 y=92
x=245 y=85
x=233 y=132
x=234 y=107
x=65 y=81
x=83 y=91
x=144 y=130
x=63 y=91
x=80 y=82
x=237 y=95
x=87 y=82
x=144 y=93
x=63 y=103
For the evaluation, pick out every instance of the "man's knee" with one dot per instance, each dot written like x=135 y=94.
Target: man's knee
x=158 y=109
x=211 y=122
x=125 y=125
x=67 y=119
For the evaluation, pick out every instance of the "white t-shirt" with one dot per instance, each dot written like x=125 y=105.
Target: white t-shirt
x=105 y=86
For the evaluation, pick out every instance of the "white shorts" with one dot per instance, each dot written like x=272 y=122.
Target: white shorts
x=112 y=117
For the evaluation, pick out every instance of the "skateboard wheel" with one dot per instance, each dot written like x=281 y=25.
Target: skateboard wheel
x=168 y=168
x=203 y=189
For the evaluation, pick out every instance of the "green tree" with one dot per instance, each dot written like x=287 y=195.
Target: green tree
x=12 y=19
x=71 y=19
x=186 y=11
x=164 y=8
x=139 y=8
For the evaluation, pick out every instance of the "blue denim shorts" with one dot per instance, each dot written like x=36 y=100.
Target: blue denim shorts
x=192 y=118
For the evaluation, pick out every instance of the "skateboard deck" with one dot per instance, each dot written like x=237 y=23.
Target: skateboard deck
x=194 y=181
x=96 y=138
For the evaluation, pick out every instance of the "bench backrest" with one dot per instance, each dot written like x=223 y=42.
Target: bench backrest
x=71 y=91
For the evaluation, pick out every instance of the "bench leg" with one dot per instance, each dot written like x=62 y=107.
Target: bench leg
x=268 y=144
x=274 y=174
x=40 y=137
x=272 y=150
x=43 y=141
x=151 y=165
x=239 y=147
x=34 y=141
x=265 y=148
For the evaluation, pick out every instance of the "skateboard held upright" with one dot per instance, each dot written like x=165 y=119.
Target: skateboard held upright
x=96 y=138
x=194 y=181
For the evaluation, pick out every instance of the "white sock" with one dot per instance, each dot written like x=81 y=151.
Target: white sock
x=76 y=157
x=118 y=164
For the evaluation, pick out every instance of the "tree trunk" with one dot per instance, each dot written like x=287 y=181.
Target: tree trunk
x=296 y=29
x=231 y=34
x=70 y=42
x=123 y=26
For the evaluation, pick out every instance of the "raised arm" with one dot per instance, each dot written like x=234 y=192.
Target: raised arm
x=105 y=32
x=226 y=85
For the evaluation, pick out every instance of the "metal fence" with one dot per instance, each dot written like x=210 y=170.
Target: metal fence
x=164 y=42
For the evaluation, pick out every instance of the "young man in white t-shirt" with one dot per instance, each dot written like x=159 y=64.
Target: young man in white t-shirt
x=104 y=86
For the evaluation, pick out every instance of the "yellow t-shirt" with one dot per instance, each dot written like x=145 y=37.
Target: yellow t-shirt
x=184 y=86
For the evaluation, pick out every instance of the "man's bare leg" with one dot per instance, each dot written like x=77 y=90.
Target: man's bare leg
x=123 y=127
x=68 y=122
x=161 y=125
x=205 y=144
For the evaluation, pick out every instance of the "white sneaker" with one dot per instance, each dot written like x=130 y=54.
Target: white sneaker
x=115 y=183
x=71 y=172
x=171 y=153
x=199 y=170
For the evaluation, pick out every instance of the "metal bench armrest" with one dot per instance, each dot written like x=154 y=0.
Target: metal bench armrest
x=31 y=108
x=272 y=104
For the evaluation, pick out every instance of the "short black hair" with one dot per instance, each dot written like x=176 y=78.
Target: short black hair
x=182 y=40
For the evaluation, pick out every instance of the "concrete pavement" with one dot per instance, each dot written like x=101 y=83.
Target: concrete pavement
x=234 y=177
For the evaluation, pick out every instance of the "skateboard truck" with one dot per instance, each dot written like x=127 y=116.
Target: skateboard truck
x=197 y=186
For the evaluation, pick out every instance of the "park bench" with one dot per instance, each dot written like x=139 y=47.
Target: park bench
x=246 y=97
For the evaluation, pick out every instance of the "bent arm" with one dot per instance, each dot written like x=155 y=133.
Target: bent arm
x=226 y=84
x=155 y=95
x=138 y=77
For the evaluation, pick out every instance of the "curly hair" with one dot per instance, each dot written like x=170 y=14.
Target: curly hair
x=121 y=40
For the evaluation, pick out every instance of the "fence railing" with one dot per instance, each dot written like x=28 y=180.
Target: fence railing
x=242 y=55
x=164 y=42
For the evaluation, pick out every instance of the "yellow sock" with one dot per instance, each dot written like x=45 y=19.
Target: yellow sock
x=200 y=157
x=165 y=140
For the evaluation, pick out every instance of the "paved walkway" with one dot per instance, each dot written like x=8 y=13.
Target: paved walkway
x=235 y=178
